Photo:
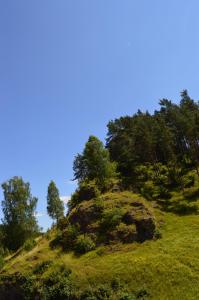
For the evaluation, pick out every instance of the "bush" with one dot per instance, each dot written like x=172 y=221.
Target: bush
x=191 y=193
x=84 y=244
x=157 y=234
x=29 y=288
x=99 y=293
x=87 y=190
x=57 y=241
x=182 y=208
x=61 y=289
x=151 y=191
x=126 y=233
x=29 y=244
x=1 y=262
x=188 y=180
x=42 y=267
x=4 y=252
x=147 y=190
x=115 y=284
x=57 y=285
x=142 y=294
x=127 y=296
x=161 y=192
x=62 y=223
x=69 y=237
x=111 y=219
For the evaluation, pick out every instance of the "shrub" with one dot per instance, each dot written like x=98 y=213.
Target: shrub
x=188 y=180
x=126 y=233
x=1 y=262
x=142 y=294
x=99 y=293
x=57 y=240
x=87 y=190
x=115 y=284
x=62 y=223
x=28 y=286
x=42 y=267
x=157 y=234
x=84 y=244
x=110 y=219
x=61 y=289
x=161 y=192
x=151 y=191
x=29 y=244
x=147 y=190
x=182 y=208
x=127 y=296
x=69 y=237
x=191 y=193
x=58 y=284
x=4 y=252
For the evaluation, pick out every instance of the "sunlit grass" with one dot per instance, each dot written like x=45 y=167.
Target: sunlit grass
x=168 y=268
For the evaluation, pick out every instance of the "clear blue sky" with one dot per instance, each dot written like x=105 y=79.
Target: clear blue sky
x=69 y=66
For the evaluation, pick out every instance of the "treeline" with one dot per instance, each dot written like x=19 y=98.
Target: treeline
x=147 y=153
x=170 y=137
x=152 y=154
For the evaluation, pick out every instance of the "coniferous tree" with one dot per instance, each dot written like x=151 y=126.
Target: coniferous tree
x=55 y=206
x=170 y=136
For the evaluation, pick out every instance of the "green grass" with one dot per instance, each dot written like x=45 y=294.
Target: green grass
x=167 y=268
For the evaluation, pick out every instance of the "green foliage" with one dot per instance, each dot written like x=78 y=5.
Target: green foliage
x=4 y=252
x=127 y=296
x=1 y=262
x=191 y=193
x=182 y=207
x=28 y=286
x=110 y=219
x=94 y=164
x=40 y=268
x=87 y=190
x=57 y=240
x=98 y=293
x=58 y=285
x=126 y=233
x=29 y=244
x=157 y=234
x=84 y=244
x=188 y=180
x=19 y=222
x=166 y=139
x=55 y=206
x=141 y=270
x=69 y=237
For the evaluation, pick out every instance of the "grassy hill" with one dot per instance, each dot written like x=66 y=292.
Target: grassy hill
x=163 y=268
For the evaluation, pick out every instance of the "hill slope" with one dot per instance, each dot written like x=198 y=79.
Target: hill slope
x=164 y=268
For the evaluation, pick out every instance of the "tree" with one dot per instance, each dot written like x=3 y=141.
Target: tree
x=55 y=206
x=94 y=164
x=19 y=221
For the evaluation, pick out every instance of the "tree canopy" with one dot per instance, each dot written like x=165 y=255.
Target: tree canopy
x=19 y=221
x=94 y=163
x=170 y=136
x=55 y=206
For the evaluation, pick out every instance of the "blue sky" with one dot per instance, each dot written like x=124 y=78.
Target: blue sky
x=67 y=67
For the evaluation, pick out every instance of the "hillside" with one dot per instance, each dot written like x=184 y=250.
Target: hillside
x=161 y=268
x=131 y=231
